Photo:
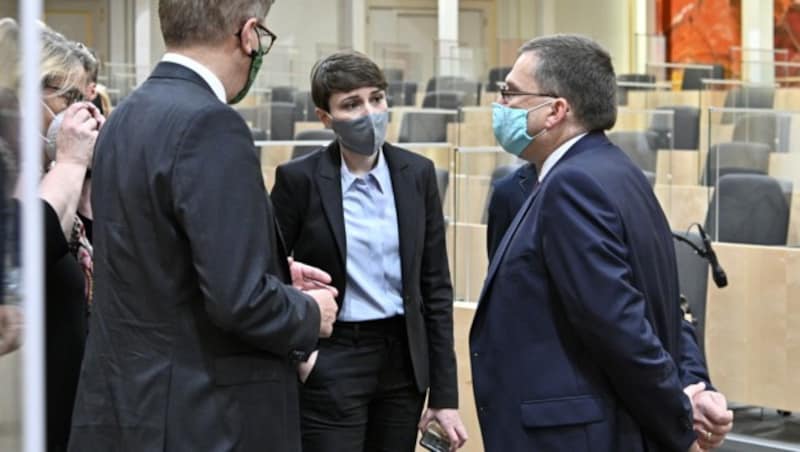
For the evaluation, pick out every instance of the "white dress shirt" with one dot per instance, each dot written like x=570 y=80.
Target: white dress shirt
x=205 y=73
x=553 y=158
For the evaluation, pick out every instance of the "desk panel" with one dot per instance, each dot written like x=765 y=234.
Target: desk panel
x=753 y=326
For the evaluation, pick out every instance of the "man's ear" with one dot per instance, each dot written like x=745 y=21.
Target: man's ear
x=324 y=117
x=559 y=110
x=248 y=38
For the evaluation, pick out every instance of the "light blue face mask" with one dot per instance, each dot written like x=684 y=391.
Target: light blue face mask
x=511 y=127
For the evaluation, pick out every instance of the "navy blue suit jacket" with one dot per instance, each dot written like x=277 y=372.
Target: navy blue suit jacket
x=508 y=194
x=577 y=333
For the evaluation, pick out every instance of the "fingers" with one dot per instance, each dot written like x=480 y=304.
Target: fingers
x=426 y=419
x=452 y=436
x=461 y=431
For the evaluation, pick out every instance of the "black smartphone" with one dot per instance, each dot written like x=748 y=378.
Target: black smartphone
x=433 y=442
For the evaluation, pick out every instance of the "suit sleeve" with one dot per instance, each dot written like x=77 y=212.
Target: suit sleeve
x=587 y=258
x=437 y=294
x=221 y=204
x=692 y=366
x=285 y=200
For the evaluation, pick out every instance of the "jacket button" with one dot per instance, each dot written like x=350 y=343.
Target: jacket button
x=474 y=354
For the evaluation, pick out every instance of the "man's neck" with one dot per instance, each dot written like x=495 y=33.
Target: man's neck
x=556 y=141
x=215 y=60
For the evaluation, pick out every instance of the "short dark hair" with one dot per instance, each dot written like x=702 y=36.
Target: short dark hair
x=341 y=72
x=192 y=22
x=578 y=69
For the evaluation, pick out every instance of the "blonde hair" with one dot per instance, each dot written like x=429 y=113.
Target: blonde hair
x=61 y=66
x=9 y=54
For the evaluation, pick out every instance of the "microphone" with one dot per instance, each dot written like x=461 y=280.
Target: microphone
x=717 y=273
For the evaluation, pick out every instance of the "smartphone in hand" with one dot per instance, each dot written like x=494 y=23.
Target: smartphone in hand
x=434 y=440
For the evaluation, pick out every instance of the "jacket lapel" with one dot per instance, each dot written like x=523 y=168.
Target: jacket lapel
x=406 y=200
x=503 y=246
x=329 y=184
x=590 y=141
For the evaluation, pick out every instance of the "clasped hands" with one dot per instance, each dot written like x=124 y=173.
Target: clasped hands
x=712 y=418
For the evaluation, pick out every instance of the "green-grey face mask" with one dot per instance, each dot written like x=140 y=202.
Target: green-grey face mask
x=257 y=57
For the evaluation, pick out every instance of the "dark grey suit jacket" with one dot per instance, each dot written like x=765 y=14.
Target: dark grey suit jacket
x=308 y=204
x=193 y=331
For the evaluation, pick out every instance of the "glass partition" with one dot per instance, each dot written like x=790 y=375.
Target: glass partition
x=753 y=166
x=475 y=169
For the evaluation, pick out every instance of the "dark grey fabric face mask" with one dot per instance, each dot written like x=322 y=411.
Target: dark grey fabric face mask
x=363 y=135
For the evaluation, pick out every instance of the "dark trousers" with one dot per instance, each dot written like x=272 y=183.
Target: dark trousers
x=361 y=395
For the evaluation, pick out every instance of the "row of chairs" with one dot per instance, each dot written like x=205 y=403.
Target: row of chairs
x=755 y=135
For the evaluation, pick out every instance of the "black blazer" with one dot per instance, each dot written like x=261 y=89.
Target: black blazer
x=308 y=204
x=192 y=328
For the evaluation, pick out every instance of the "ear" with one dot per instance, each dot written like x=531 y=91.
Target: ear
x=248 y=38
x=324 y=117
x=560 y=109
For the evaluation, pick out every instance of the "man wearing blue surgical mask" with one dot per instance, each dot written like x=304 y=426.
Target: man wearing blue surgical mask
x=369 y=214
x=576 y=343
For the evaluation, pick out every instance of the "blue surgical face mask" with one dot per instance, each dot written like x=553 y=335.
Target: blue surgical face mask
x=363 y=135
x=511 y=127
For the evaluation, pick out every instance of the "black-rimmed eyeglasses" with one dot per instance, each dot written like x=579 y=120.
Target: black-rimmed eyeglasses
x=266 y=38
x=508 y=94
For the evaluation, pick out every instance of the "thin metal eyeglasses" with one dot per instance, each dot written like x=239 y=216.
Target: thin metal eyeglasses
x=507 y=94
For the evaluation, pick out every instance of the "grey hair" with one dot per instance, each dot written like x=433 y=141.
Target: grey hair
x=578 y=69
x=206 y=22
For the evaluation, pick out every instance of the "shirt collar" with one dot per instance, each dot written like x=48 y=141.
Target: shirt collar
x=205 y=73
x=553 y=158
x=379 y=173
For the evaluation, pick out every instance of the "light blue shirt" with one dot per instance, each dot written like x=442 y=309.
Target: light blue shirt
x=374 y=279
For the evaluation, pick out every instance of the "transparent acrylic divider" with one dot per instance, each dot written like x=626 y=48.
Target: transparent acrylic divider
x=12 y=296
x=674 y=73
x=641 y=95
x=752 y=166
x=474 y=169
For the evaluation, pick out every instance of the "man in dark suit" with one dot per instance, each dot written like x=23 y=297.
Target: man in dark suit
x=508 y=194
x=194 y=336
x=369 y=214
x=576 y=342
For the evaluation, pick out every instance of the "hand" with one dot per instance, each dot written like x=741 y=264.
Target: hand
x=306 y=277
x=78 y=134
x=450 y=422
x=327 y=310
x=10 y=328
x=712 y=418
x=695 y=448
x=304 y=369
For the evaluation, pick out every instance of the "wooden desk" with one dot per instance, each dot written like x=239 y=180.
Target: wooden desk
x=11 y=401
x=683 y=204
x=275 y=155
x=787 y=99
x=466 y=253
x=467 y=194
x=752 y=333
x=463 y=314
x=475 y=130
x=677 y=167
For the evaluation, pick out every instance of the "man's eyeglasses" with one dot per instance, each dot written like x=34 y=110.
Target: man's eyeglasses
x=507 y=94
x=266 y=38
x=71 y=95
